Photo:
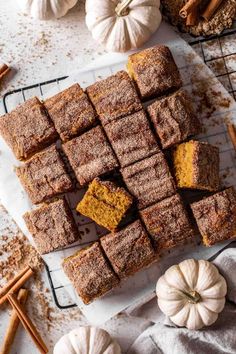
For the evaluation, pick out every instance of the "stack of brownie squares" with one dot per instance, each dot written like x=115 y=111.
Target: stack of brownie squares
x=125 y=125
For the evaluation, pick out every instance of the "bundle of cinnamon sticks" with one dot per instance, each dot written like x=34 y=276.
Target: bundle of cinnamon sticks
x=19 y=314
x=4 y=70
x=190 y=11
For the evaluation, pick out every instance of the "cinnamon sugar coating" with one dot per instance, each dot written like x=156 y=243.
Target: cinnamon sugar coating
x=114 y=97
x=44 y=176
x=128 y=250
x=90 y=273
x=27 y=129
x=131 y=138
x=71 y=112
x=52 y=226
x=154 y=71
x=167 y=223
x=90 y=155
x=173 y=118
x=216 y=216
x=149 y=180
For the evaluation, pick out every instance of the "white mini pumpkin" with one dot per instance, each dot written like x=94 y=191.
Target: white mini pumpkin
x=46 y=9
x=87 y=340
x=122 y=25
x=192 y=293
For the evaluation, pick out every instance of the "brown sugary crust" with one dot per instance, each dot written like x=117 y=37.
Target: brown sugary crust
x=149 y=180
x=173 y=118
x=90 y=155
x=44 y=176
x=216 y=216
x=114 y=97
x=71 y=112
x=52 y=226
x=154 y=71
x=131 y=138
x=90 y=273
x=128 y=250
x=206 y=163
x=27 y=129
x=167 y=222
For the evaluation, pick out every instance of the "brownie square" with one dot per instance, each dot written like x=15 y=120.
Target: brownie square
x=90 y=273
x=52 y=226
x=173 y=118
x=196 y=166
x=114 y=97
x=71 y=112
x=105 y=203
x=167 y=223
x=216 y=216
x=27 y=129
x=154 y=71
x=128 y=250
x=90 y=155
x=132 y=138
x=44 y=176
x=149 y=180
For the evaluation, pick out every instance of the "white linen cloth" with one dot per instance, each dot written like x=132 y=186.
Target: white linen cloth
x=162 y=336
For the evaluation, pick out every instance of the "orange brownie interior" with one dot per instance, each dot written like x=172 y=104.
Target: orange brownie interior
x=105 y=203
x=196 y=166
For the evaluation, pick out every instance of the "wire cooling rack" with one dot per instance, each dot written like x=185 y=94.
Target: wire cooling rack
x=218 y=52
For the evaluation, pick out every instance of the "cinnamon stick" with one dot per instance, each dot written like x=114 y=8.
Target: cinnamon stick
x=211 y=9
x=9 y=285
x=192 y=18
x=13 y=324
x=188 y=8
x=232 y=133
x=4 y=69
x=27 y=323
x=16 y=283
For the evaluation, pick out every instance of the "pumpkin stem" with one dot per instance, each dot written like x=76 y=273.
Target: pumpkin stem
x=193 y=296
x=122 y=9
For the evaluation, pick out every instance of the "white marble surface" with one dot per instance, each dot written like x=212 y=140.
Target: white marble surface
x=41 y=50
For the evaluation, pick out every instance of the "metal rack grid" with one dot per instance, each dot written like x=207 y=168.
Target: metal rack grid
x=220 y=58
x=200 y=45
